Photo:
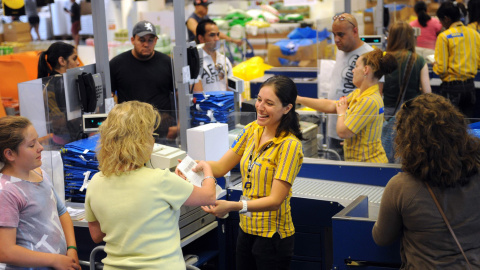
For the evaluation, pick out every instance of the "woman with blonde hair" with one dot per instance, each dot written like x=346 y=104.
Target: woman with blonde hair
x=409 y=80
x=136 y=209
x=360 y=114
x=440 y=161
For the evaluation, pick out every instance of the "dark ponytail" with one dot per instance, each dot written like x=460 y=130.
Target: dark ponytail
x=48 y=60
x=453 y=10
x=286 y=91
x=421 y=11
x=381 y=63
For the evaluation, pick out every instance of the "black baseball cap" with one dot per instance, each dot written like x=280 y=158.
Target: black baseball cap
x=143 y=28
x=201 y=2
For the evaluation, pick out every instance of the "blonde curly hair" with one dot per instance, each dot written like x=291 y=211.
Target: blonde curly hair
x=126 y=140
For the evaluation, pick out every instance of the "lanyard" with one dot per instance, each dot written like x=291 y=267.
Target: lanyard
x=251 y=163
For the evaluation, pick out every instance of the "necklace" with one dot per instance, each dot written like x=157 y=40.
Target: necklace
x=251 y=163
x=38 y=173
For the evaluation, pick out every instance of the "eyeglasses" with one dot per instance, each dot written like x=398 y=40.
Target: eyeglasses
x=342 y=18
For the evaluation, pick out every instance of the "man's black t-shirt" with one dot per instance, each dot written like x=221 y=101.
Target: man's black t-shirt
x=75 y=10
x=148 y=81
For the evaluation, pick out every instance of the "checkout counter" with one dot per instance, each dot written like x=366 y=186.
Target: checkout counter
x=304 y=77
x=322 y=190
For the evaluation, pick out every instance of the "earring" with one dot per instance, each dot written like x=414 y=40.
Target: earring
x=364 y=75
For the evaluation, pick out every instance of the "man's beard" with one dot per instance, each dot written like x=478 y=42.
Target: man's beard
x=144 y=57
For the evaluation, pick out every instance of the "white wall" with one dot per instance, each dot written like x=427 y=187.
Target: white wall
x=322 y=12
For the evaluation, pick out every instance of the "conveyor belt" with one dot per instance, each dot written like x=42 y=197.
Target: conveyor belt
x=341 y=192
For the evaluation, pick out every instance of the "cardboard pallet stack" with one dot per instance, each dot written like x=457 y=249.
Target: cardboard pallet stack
x=17 y=32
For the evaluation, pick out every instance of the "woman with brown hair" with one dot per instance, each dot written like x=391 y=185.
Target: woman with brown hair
x=437 y=152
x=409 y=80
x=270 y=155
x=360 y=114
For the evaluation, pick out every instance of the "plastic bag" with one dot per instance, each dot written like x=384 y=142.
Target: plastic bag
x=290 y=46
x=270 y=9
x=52 y=164
x=257 y=23
x=251 y=69
x=307 y=32
x=299 y=33
x=475 y=129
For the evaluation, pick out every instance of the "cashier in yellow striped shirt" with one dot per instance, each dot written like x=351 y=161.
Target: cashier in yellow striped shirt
x=457 y=58
x=360 y=114
x=270 y=155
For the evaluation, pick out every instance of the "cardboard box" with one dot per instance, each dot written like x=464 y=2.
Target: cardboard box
x=304 y=55
x=16 y=27
x=307 y=63
x=1 y=38
x=85 y=8
x=368 y=29
x=432 y=9
x=403 y=14
x=17 y=32
x=277 y=35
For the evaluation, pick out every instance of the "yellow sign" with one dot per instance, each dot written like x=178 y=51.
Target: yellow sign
x=14 y=4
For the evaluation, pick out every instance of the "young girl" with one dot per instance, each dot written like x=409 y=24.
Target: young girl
x=35 y=228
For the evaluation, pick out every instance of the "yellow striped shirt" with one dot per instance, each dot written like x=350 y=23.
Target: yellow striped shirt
x=364 y=117
x=474 y=26
x=457 y=53
x=282 y=161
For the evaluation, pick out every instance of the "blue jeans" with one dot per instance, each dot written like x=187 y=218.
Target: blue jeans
x=388 y=137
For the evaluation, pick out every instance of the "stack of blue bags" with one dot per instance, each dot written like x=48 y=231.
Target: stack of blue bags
x=212 y=107
x=475 y=129
x=80 y=164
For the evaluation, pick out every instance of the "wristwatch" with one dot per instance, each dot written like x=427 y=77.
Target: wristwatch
x=244 y=208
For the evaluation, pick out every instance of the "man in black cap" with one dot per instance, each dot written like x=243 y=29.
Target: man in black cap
x=145 y=75
x=200 y=13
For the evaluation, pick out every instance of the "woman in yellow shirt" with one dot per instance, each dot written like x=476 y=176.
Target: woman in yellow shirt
x=270 y=155
x=457 y=58
x=360 y=114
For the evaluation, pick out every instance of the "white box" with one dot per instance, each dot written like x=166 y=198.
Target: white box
x=165 y=157
x=207 y=142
